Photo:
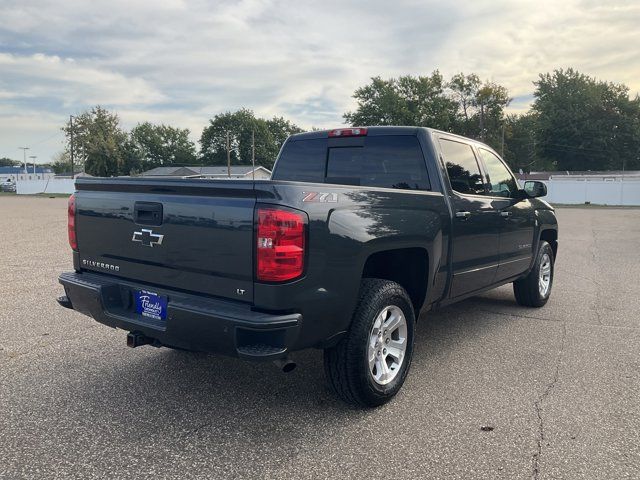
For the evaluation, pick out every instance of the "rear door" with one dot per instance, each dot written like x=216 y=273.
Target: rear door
x=476 y=224
x=517 y=215
x=193 y=235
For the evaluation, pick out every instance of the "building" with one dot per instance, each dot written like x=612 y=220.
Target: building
x=589 y=187
x=565 y=174
x=238 y=172
x=13 y=174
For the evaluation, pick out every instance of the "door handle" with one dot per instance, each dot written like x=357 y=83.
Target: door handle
x=147 y=213
x=505 y=214
x=463 y=215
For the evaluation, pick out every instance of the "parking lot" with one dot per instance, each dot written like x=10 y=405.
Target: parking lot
x=495 y=391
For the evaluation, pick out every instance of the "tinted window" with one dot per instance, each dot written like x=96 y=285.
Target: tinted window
x=378 y=161
x=383 y=161
x=462 y=167
x=302 y=161
x=499 y=180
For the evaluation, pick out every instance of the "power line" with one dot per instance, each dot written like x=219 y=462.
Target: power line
x=38 y=142
x=45 y=139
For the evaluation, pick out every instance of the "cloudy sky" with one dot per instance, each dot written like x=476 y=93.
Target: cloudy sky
x=181 y=62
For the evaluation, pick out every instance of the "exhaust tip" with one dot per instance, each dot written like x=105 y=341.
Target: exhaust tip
x=64 y=301
x=289 y=367
x=285 y=365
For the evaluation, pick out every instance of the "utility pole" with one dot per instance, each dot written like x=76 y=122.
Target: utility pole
x=24 y=155
x=33 y=160
x=228 y=157
x=253 y=154
x=482 y=121
x=502 y=151
x=71 y=143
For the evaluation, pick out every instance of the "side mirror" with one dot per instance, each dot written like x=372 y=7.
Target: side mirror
x=535 y=189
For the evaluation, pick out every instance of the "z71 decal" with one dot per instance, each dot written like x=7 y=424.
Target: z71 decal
x=320 y=197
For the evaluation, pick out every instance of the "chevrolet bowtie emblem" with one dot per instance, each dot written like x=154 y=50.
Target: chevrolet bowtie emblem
x=147 y=237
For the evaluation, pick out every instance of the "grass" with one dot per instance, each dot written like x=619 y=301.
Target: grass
x=51 y=195
x=591 y=205
x=41 y=195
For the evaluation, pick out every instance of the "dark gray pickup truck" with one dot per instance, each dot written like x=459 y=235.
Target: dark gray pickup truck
x=357 y=232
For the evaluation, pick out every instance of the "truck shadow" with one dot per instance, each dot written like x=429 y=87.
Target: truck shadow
x=193 y=397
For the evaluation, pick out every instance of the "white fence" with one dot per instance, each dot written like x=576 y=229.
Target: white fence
x=51 y=185
x=577 y=191
x=597 y=191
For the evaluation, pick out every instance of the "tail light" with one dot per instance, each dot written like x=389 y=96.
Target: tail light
x=280 y=244
x=348 y=132
x=71 y=222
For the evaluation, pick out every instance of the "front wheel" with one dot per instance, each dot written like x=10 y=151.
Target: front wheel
x=534 y=289
x=369 y=366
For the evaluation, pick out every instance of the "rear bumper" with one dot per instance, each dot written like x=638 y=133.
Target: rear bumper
x=193 y=322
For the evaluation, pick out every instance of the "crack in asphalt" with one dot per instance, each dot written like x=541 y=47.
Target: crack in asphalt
x=518 y=315
x=538 y=406
x=596 y=300
x=552 y=320
x=193 y=431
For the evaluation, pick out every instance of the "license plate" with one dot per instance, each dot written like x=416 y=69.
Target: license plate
x=151 y=305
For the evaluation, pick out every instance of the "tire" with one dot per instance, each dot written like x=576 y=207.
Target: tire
x=529 y=290
x=347 y=365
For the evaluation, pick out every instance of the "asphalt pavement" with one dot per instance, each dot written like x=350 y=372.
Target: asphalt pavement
x=495 y=390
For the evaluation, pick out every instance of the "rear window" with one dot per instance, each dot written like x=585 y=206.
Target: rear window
x=302 y=161
x=378 y=161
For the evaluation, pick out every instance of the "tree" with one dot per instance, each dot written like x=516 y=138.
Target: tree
x=464 y=89
x=480 y=108
x=521 y=139
x=161 y=145
x=407 y=100
x=279 y=129
x=241 y=126
x=491 y=100
x=61 y=162
x=464 y=105
x=586 y=124
x=7 y=162
x=97 y=134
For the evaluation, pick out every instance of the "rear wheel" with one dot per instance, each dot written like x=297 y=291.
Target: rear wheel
x=369 y=366
x=534 y=289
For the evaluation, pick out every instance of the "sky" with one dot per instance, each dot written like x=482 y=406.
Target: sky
x=182 y=62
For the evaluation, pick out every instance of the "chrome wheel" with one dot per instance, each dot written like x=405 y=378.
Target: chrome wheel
x=544 y=279
x=387 y=344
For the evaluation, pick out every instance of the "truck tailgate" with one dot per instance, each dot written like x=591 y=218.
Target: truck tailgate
x=192 y=235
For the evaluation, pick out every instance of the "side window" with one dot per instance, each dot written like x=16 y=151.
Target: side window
x=384 y=161
x=499 y=179
x=302 y=161
x=462 y=167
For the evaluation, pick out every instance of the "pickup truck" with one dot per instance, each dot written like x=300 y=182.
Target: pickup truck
x=357 y=232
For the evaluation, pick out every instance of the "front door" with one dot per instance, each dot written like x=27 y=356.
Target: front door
x=476 y=223
x=518 y=220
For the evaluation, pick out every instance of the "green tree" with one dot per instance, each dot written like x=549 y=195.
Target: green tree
x=102 y=142
x=61 y=162
x=241 y=126
x=161 y=145
x=586 y=124
x=464 y=105
x=279 y=129
x=522 y=145
x=464 y=89
x=407 y=100
x=480 y=108
x=7 y=162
